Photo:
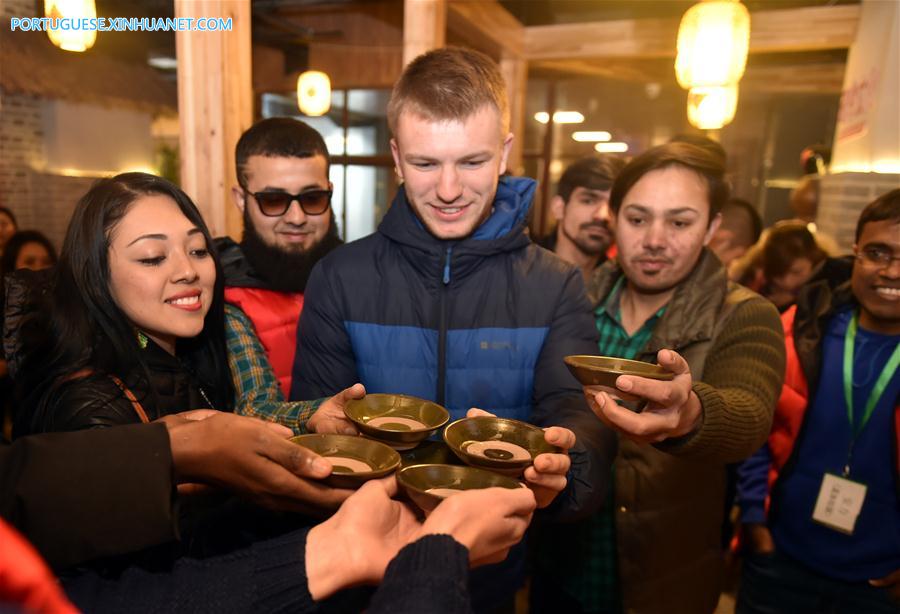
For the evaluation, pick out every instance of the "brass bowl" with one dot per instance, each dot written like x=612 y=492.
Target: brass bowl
x=347 y=453
x=467 y=434
x=419 y=481
x=396 y=434
x=605 y=370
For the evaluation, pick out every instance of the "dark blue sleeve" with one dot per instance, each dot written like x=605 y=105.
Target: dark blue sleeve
x=429 y=575
x=559 y=401
x=753 y=485
x=324 y=363
x=268 y=576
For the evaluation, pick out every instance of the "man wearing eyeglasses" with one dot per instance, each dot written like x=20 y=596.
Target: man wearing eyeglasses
x=820 y=502
x=284 y=196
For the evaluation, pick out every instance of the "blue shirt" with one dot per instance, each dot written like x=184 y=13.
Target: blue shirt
x=873 y=551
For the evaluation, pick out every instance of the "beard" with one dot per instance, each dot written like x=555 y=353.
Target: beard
x=282 y=270
x=590 y=247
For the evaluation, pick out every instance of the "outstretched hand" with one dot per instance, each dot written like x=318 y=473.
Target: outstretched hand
x=488 y=522
x=673 y=408
x=252 y=458
x=547 y=475
x=356 y=544
x=330 y=417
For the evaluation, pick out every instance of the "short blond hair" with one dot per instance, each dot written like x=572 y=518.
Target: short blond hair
x=451 y=83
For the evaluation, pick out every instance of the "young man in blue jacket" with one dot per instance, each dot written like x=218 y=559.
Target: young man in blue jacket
x=450 y=300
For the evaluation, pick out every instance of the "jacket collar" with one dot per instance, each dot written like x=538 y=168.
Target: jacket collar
x=690 y=315
x=502 y=231
x=435 y=259
x=826 y=293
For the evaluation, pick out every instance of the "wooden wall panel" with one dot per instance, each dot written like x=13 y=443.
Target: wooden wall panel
x=215 y=106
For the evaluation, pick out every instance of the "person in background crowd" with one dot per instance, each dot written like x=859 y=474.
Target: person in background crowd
x=284 y=196
x=450 y=301
x=583 y=233
x=820 y=502
x=738 y=232
x=371 y=539
x=666 y=299
x=8 y=226
x=788 y=254
x=27 y=249
x=804 y=199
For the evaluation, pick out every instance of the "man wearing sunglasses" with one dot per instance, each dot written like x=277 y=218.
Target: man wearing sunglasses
x=284 y=196
x=820 y=502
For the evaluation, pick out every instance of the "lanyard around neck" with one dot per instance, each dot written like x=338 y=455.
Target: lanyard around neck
x=880 y=384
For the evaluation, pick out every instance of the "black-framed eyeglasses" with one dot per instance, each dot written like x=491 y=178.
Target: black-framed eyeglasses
x=275 y=204
x=877 y=256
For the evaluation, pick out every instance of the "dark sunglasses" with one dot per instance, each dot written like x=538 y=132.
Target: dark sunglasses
x=275 y=204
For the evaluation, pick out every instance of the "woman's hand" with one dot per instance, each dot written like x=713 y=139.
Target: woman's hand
x=330 y=417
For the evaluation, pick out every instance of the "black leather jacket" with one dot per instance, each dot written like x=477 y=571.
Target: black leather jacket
x=97 y=400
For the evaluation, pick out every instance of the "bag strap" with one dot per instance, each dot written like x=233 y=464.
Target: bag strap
x=138 y=408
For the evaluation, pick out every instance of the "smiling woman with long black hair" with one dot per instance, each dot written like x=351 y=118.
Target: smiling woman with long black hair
x=134 y=328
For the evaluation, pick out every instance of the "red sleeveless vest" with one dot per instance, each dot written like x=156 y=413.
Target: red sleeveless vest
x=274 y=316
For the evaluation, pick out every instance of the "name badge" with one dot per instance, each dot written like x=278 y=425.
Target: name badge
x=839 y=503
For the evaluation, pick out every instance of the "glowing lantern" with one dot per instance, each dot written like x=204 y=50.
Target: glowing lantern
x=710 y=108
x=74 y=10
x=713 y=39
x=314 y=93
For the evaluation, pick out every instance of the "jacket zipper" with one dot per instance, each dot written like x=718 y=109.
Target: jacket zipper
x=442 y=332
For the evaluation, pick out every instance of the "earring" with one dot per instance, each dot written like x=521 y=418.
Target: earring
x=142 y=340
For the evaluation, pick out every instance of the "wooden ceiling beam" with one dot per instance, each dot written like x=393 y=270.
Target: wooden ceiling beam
x=801 y=29
x=486 y=25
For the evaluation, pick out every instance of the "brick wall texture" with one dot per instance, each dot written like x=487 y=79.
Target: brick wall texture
x=843 y=197
x=41 y=201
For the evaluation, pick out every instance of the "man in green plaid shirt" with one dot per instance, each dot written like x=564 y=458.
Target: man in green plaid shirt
x=590 y=577
x=667 y=300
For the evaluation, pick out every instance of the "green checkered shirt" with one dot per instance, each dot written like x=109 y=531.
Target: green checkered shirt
x=256 y=390
x=584 y=561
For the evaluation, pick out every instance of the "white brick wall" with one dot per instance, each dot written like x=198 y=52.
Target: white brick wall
x=843 y=197
x=41 y=201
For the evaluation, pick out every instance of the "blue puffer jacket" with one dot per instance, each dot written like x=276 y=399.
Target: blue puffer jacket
x=482 y=322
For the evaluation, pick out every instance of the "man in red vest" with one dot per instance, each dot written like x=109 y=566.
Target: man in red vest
x=284 y=196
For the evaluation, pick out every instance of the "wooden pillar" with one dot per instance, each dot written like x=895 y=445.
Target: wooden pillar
x=215 y=105
x=515 y=74
x=424 y=27
x=540 y=217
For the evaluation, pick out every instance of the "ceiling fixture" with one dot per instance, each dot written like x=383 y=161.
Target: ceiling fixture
x=615 y=147
x=560 y=117
x=313 y=93
x=72 y=11
x=710 y=108
x=713 y=40
x=589 y=136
